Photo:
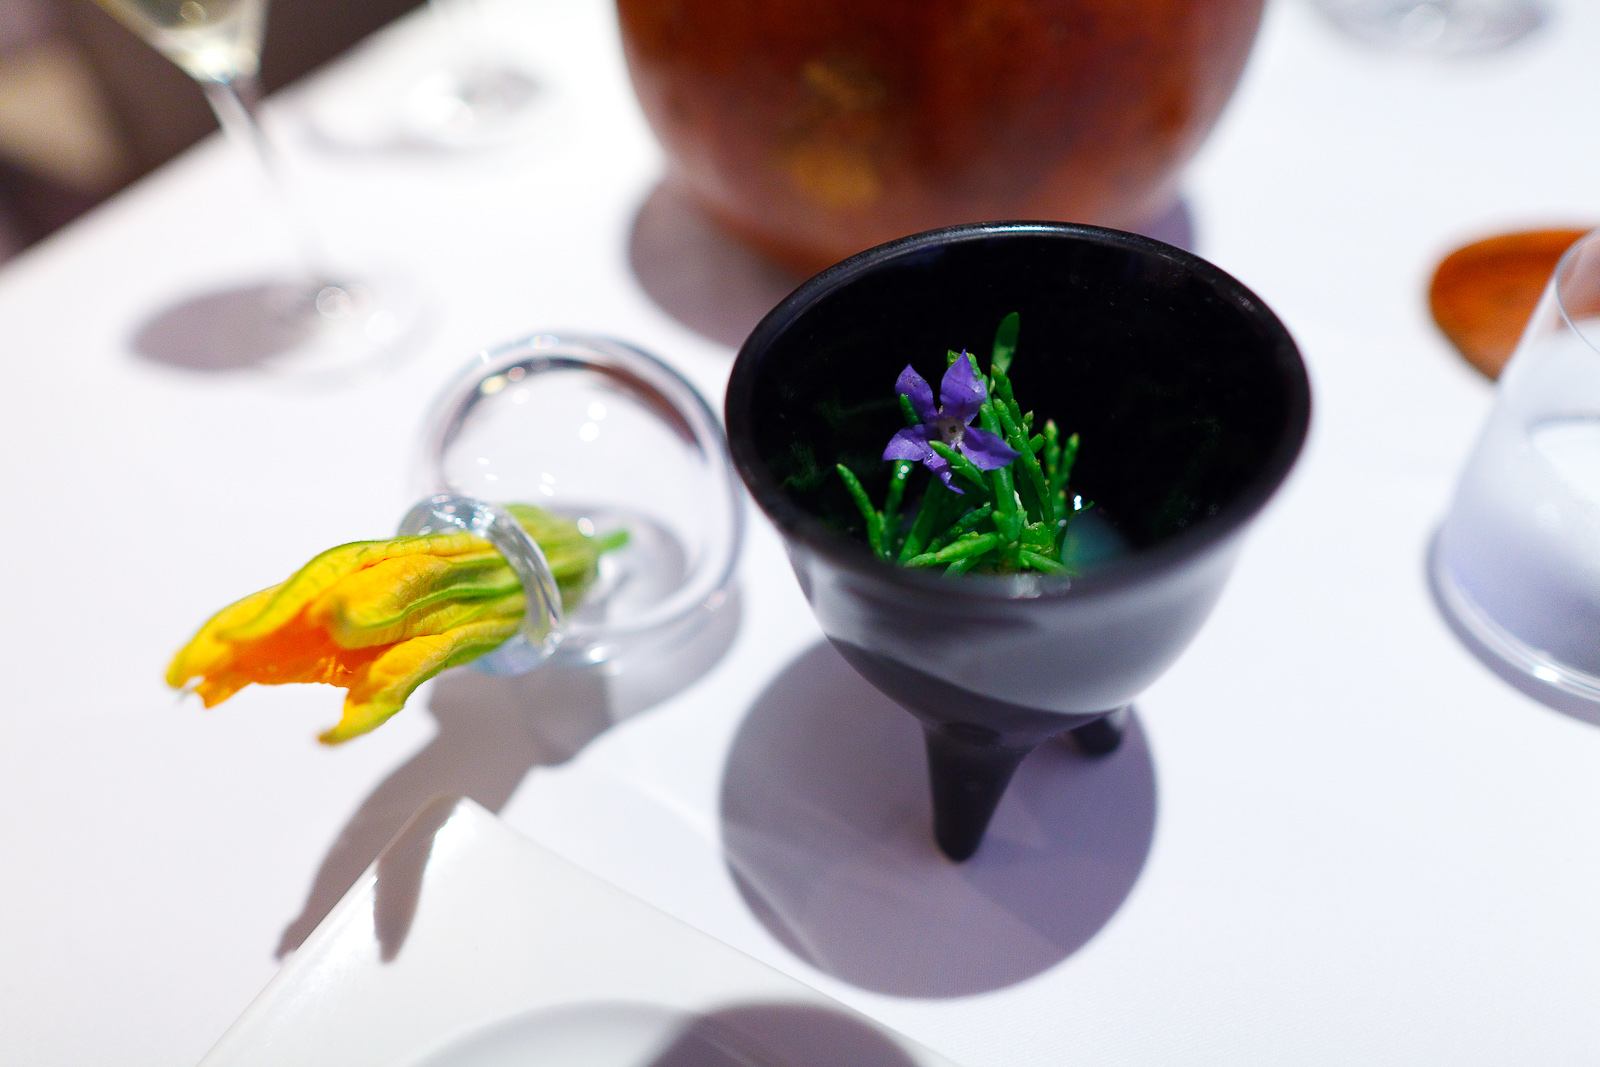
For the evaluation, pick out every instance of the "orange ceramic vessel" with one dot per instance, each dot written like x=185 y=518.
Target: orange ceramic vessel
x=816 y=128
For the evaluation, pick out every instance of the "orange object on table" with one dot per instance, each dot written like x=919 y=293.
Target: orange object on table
x=1484 y=293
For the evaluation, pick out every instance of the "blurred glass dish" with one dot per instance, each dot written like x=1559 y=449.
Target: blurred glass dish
x=1517 y=562
x=612 y=437
x=469 y=104
x=462 y=90
x=1437 y=27
x=477 y=97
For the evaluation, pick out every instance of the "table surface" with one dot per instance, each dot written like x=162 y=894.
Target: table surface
x=1335 y=836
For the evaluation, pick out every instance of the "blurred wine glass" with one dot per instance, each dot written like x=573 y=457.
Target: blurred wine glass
x=471 y=94
x=321 y=320
x=476 y=97
x=1437 y=27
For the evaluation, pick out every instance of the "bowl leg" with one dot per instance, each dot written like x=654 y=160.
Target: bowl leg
x=968 y=778
x=1101 y=737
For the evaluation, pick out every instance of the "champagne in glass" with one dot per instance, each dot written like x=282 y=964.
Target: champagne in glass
x=212 y=40
x=324 y=322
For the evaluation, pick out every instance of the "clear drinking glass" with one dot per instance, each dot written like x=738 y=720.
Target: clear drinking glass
x=1437 y=27
x=323 y=321
x=1518 y=558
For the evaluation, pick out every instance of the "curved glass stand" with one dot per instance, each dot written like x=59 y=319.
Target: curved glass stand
x=613 y=438
x=1437 y=27
x=541 y=625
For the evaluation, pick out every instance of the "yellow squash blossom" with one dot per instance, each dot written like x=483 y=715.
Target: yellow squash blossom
x=379 y=618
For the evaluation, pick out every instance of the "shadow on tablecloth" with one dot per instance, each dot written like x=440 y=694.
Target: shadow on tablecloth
x=720 y=289
x=741 y=1034
x=826 y=825
x=492 y=732
x=699 y=275
x=801 y=1034
x=228 y=329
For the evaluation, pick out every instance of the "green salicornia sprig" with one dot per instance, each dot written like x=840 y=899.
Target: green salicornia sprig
x=890 y=516
x=965 y=524
x=873 y=518
x=998 y=498
x=961 y=465
x=1032 y=484
x=971 y=545
x=1005 y=343
x=937 y=502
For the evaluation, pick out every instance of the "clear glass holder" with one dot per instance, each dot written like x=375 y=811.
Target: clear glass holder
x=611 y=437
x=541 y=624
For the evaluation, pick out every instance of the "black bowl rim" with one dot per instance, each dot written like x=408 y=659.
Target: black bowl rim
x=847 y=553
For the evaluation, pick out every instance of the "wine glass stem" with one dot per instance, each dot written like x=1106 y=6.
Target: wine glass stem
x=234 y=103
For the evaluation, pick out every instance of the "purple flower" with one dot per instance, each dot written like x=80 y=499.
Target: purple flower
x=961 y=393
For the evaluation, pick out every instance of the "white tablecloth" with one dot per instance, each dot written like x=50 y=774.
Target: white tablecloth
x=1335 y=838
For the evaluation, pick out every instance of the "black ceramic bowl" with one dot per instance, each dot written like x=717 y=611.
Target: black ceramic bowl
x=1191 y=402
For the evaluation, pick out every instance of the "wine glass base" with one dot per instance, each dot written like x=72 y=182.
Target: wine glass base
x=292 y=329
x=1437 y=27
x=287 y=328
x=334 y=329
x=1500 y=642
